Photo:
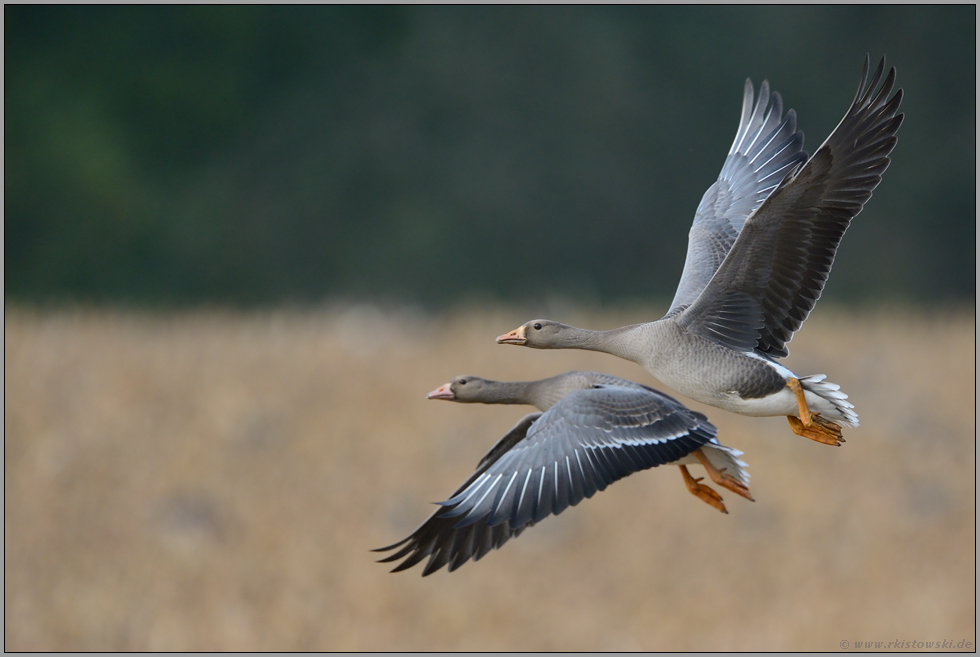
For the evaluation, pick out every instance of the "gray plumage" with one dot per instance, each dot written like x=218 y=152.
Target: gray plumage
x=777 y=268
x=594 y=429
x=766 y=148
x=759 y=256
x=437 y=538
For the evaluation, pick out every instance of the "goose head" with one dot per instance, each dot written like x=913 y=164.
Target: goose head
x=538 y=333
x=462 y=389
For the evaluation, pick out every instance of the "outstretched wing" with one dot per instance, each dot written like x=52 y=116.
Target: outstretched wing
x=779 y=264
x=766 y=148
x=437 y=536
x=588 y=440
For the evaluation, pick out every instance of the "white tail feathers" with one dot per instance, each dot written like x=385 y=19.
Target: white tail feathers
x=818 y=385
x=726 y=458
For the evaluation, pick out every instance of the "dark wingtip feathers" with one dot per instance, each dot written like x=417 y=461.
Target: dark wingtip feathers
x=859 y=148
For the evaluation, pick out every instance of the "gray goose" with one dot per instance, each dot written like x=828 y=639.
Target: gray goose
x=759 y=254
x=593 y=429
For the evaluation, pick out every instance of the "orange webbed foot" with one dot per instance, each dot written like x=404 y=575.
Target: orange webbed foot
x=722 y=478
x=704 y=493
x=733 y=485
x=819 y=430
x=809 y=424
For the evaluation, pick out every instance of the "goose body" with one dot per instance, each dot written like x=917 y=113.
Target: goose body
x=759 y=254
x=741 y=382
x=592 y=430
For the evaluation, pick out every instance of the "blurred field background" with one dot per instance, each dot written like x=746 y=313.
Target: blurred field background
x=214 y=480
x=242 y=243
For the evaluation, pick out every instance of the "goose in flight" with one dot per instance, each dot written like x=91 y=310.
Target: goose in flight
x=759 y=254
x=592 y=429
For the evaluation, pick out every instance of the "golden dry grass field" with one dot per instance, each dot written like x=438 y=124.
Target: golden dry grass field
x=214 y=480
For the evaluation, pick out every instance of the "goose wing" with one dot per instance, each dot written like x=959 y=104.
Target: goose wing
x=446 y=545
x=778 y=266
x=582 y=444
x=766 y=148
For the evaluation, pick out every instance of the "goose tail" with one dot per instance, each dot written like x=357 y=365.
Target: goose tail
x=726 y=458
x=837 y=408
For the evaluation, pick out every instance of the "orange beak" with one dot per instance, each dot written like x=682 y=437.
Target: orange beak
x=517 y=336
x=442 y=392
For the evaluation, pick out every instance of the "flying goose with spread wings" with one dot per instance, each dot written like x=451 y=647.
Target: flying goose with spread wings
x=759 y=254
x=593 y=429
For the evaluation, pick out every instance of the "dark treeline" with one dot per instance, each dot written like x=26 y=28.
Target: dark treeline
x=174 y=155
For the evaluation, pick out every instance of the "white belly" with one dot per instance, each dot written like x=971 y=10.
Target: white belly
x=780 y=403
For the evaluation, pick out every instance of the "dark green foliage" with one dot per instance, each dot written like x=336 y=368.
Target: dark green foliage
x=259 y=154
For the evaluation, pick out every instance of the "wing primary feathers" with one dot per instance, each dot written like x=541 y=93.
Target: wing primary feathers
x=767 y=147
x=591 y=438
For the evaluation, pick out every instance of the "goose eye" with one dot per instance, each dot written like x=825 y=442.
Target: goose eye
x=537 y=327
x=462 y=382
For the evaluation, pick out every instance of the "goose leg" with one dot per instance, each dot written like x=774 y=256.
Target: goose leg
x=704 y=493
x=809 y=424
x=721 y=478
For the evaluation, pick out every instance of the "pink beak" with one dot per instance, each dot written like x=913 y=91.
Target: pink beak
x=442 y=392
x=517 y=336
